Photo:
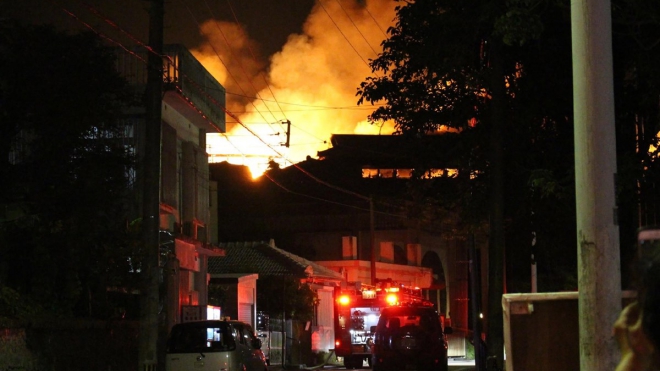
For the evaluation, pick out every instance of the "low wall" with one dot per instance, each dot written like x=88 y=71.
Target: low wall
x=71 y=345
x=541 y=330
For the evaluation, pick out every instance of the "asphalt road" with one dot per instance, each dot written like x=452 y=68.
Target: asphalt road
x=454 y=365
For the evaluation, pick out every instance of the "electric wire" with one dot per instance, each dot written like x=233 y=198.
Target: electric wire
x=140 y=43
x=326 y=200
x=149 y=49
x=231 y=8
x=366 y=8
x=356 y=27
x=301 y=104
x=134 y=39
x=243 y=69
x=342 y=33
x=223 y=63
x=310 y=134
x=311 y=109
x=266 y=82
x=298 y=167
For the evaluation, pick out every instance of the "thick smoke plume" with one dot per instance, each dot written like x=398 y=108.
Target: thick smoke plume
x=311 y=83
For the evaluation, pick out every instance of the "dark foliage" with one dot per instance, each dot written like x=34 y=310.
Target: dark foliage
x=441 y=66
x=636 y=49
x=437 y=66
x=278 y=295
x=65 y=166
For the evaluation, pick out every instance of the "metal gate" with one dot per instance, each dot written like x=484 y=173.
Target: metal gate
x=276 y=337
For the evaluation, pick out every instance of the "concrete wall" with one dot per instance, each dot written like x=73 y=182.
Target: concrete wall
x=542 y=331
x=75 y=345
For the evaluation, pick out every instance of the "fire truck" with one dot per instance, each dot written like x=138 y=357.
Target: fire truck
x=357 y=310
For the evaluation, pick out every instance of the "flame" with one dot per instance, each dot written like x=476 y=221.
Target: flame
x=311 y=83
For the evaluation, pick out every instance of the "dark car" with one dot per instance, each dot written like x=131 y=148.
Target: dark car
x=409 y=338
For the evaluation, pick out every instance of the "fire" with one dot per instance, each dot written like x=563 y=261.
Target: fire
x=311 y=83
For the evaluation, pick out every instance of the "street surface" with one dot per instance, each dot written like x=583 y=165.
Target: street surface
x=454 y=365
x=460 y=365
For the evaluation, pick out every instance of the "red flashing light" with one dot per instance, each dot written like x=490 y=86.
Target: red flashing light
x=337 y=344
x=391 y=299
x=344 y=300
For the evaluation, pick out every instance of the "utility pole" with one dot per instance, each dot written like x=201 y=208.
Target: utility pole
x=475 y=301
x=288 y=133
x=150 y=319
x=599 y=274
x=496 y=245
x=372 y=240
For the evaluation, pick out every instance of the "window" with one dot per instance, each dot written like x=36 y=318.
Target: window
x=198 y=337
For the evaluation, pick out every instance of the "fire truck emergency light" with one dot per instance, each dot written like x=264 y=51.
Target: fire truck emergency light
x=344 y=300
x=391 y=299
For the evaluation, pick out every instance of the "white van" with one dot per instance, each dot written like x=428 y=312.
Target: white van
x=214 y=345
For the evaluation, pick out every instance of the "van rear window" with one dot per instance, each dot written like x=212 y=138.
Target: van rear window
x=409 y=317
x=200 y=337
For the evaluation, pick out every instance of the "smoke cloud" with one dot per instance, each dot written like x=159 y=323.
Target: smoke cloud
x=311 y=83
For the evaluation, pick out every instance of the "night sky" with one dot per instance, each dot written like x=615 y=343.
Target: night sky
x=289 y=60
x=269 y=22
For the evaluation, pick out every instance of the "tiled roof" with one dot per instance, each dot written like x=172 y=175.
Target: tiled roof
x=264 y=259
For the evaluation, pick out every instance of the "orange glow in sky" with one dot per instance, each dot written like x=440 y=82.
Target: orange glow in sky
x=310 y=82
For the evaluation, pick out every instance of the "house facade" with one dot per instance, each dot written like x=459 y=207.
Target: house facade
x=245 y=263
x=192 y=106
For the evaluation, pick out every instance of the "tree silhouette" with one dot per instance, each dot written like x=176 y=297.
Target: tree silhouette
x=65 y=168
x=498 y=73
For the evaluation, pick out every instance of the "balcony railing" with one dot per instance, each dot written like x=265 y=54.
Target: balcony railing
x=183 y=75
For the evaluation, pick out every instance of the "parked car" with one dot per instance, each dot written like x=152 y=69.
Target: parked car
x=409 y=338
x=214 y=345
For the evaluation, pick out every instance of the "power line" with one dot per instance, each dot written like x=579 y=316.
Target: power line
x=356 y=27
x=318 y=180
x=232 y=55
x=342 y=33
x=300 y=104
x=212 y=100
x=326 y=200
x=137 y=41
x=254 y=57
x=233 y=116
x=375 y=21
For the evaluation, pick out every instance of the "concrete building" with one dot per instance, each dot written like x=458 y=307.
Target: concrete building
x=192 y=106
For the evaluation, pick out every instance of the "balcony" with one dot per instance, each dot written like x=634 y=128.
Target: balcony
x=189 y=87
